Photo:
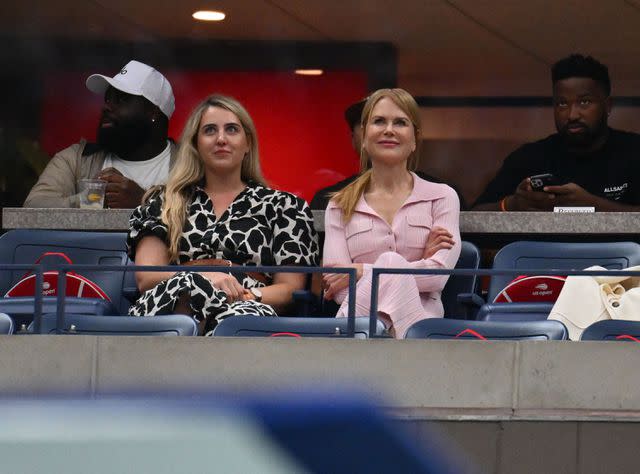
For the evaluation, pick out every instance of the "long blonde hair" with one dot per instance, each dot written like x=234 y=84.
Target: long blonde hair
x=348 y=197
x=189 y=167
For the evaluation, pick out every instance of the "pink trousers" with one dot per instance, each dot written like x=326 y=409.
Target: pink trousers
x=399 y=300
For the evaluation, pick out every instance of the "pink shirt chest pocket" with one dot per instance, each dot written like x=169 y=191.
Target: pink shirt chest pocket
x=416 y=229
x=360 y=238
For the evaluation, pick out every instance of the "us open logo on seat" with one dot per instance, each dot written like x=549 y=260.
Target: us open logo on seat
x=531 y=289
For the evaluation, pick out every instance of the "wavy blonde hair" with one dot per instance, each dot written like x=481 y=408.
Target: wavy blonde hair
x=348 y=197
x=189 y=167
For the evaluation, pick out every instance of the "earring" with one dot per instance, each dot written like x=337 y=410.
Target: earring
x=153 y=120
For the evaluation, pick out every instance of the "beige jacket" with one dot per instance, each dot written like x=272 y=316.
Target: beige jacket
x=58 y=183
x=587 y=299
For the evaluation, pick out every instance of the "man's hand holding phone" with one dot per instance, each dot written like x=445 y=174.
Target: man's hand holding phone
x=566 y=194
x=543 y=192
x=540 y=181
x=571 y=194
x=527 y=199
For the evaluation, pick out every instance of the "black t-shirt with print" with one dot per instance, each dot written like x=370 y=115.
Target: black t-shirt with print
x=612 y=172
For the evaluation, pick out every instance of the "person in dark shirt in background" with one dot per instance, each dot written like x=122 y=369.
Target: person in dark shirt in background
x=590 y=163
x=353 y=116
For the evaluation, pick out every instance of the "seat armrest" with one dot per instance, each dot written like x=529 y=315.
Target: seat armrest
x=521 y=311
x=471 y=302
x=131 y=293
x=305 y=302
x=303 y=296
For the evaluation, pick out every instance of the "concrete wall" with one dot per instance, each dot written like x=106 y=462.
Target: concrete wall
x=523 y=447
x=518 y=379
x=510 y=406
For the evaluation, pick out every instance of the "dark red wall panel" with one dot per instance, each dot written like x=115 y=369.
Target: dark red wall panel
x=304 y=141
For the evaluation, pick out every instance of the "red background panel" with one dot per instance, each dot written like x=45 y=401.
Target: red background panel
x=304 y=140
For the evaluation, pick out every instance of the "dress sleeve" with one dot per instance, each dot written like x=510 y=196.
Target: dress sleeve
x=295 y=241
x=446 y=214
x=336 y=251
x=144 y=221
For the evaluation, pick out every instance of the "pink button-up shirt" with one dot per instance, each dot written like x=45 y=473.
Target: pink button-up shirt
x=367 y=235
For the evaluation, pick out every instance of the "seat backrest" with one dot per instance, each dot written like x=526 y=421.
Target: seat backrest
x=260 y=326
x=6 y=324
x=533 y=311
x=21 y=308
x=560 y=256
x=94 y=248
x=89 y=324
x=436 y=328
x=612 y=330
x=457 y=284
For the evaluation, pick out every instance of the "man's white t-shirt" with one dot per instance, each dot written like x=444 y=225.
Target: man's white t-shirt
x=146 y=173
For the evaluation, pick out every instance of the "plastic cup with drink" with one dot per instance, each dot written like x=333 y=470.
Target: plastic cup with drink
x=92 y=193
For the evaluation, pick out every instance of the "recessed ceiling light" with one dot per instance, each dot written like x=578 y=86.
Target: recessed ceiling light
x=208 y=15
x=309 y=72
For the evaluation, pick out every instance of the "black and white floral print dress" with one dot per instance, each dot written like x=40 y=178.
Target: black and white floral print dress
x=261 y=227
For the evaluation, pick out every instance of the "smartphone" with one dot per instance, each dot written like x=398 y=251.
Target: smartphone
x=539 y=181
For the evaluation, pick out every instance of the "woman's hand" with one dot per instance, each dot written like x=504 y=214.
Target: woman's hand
x=335 y=282
x=227 y=283
x=439 y=239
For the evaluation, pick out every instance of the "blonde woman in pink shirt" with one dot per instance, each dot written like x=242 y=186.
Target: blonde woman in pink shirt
x=391 y=218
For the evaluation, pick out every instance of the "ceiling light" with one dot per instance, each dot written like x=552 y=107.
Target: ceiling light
x=309 y=72
x=208 y=15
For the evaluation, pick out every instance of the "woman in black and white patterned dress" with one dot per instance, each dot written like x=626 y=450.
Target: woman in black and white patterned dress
x=217 y=209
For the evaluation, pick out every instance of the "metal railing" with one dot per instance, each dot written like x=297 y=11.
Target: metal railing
x=376 y=272
x=64 y=269
x=38 y=270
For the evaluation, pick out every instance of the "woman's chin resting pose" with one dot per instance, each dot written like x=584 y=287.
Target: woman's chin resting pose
x=217 y=210
x=391 y=218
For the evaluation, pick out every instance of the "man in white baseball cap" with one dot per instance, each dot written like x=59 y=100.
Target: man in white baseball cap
x=132 y=152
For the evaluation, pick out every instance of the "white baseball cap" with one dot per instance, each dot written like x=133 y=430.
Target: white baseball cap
x=137 y=78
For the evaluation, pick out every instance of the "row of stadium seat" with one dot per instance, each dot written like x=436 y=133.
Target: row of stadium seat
x=257 y=326
x=460 y=296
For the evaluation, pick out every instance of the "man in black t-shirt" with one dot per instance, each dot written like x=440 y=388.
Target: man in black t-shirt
x=591 y=164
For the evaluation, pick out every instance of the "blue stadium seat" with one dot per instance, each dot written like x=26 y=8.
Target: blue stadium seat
x=612 y=330
x=526 y=255
x=90 y=324
x=523 y=255
x=6 y=324
x=21 y=308
x=461 y=284
x=95 y=248
x=260 y=326
x=514 y=311
x=436 y=328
